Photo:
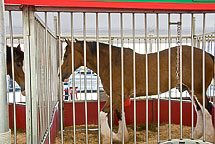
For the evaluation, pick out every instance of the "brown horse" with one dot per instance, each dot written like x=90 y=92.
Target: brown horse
x=18 y=66
x=140 y=70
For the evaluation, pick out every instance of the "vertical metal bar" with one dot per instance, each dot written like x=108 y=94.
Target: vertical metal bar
x=181 y=76
x=192 y=68
x=4 y=114
x=134 y=77
x=13 y=76
x=158 y=74
x=33 y=75
x=210 y=51
x=80 y=83
x=147 y=124
x=169 y=57
x=110 y=61
x=139 y=46
x=214 y=77
x=60 y=62
x=98 y=82
x=122 y=74
x=194 y=35
x=85 y=72
x=19 y=41
x=203 y=61
x=26 y=32
x=214 y=74
x=150 y=43
x=91 y=82
x=117 y=42
x=46 y=49
x=73 y=77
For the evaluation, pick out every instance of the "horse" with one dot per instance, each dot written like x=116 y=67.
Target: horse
x=140 y=71
x=19 y=74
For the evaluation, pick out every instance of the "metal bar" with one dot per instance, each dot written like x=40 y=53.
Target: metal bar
x=113 y=37
x=134 y=76
x=139 y=45
x=80 y=84
x=85 y=72
x=110 y=61
x=147 y=123
x=32 y=78
x=38 y=19
x=46 y=48
x=98 y=82
x=4 y=114
x=211 y=52
x=60 y=62
x=214 y=76
x=73 y=77
x=91 y=82
x=158 y=71
x=122 y=74
x=169 y=57
x=203 y=61
x=26 y=33
x=13 y=76
x=192 y=72
x=180 y=40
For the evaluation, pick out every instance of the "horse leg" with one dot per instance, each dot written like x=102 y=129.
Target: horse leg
x=120 y=129
x=105 y=130
x=209 y=133
x=106 y=107
x=198 y=132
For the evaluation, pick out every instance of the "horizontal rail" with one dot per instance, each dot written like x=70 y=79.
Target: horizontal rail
x=208 y=35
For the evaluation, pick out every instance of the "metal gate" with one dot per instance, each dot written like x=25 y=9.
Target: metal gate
x=118 y=30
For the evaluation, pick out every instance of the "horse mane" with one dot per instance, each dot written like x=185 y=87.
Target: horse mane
x=92 y=46
x=17 y=51
x=211 y=56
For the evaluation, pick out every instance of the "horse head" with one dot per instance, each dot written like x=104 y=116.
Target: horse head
x=67 y=59
x=18 y=66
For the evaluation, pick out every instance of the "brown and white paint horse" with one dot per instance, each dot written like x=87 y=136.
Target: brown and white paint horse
x=91 y=49
x=18 y=66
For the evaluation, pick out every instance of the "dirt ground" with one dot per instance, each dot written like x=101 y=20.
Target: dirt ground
x=141 y=135
x=21 y=137
x=93 y=134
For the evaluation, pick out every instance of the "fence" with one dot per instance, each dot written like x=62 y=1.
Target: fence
x=41 y=64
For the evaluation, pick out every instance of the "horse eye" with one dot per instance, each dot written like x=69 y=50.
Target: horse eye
x=19 y=65
x=65 y=56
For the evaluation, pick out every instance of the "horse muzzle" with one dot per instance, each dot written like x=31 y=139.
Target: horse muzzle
x=23 y=93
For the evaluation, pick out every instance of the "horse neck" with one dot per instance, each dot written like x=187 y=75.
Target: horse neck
x=91 y=62
x=103 y=59
x=9 y=69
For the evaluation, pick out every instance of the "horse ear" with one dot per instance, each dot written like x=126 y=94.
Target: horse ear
x=18 y=47
x=76 y=40
x=68 y=41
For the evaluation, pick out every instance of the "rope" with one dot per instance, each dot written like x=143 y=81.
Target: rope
x=5 y=138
